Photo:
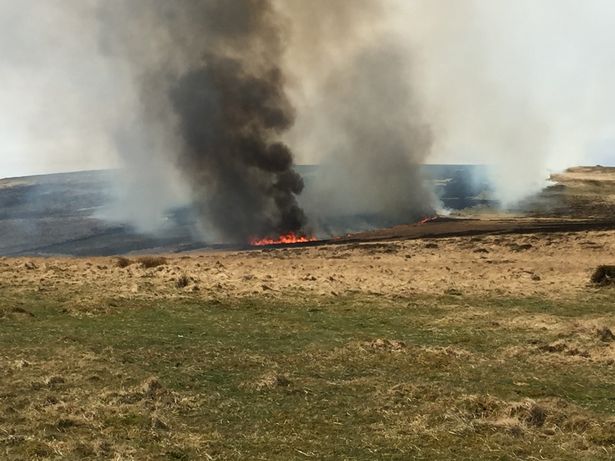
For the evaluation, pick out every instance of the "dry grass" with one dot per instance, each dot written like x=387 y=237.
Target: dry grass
x=327 y=378
x=149 y=262
x=182 y=281
x=123 y=262
x=557 y=266
x=378 y=351
x=604 y=275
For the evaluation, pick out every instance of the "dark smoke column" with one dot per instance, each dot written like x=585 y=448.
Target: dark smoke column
x=229 y=120
x=212 y=91
x=232 y=108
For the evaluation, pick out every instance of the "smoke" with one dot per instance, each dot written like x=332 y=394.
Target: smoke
x=359 y=115
x=49 y=85
x=211 y=82
x=69 y=105
x=376 y=144
x=217 y=79
x=212 y=102
x=524 y=86
x=246 y=174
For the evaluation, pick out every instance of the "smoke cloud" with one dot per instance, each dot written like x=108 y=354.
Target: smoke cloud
x=522 y=86
x=359 y=115
x=49 y=83
x=213 y=84
x=213 y=102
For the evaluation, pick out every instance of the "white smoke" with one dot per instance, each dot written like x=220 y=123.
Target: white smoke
x=58 y=98
x=68 y=105
x=524 y=86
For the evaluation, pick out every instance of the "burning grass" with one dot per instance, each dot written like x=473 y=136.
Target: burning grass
x=354 y=377
x=286 y=239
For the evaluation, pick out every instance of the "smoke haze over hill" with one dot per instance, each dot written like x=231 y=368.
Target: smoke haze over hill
x=370 y=88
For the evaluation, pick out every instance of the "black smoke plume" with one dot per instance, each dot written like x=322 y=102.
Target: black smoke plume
x=213 y=77
x=214 y=73
x=229 y=119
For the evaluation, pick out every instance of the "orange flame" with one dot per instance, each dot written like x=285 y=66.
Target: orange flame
x=429 y=219
x=285 y=239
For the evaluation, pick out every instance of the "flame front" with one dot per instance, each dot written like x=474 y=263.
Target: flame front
x=285 y=239
x=428 y=220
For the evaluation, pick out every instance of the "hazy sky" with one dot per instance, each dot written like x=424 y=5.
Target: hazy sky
x=59 y=98
x=502 y=80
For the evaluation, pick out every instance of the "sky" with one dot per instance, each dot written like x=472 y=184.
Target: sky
x=58 y=96
x=515 y=83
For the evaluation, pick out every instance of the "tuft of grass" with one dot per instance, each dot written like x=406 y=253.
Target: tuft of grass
x=603 y=275
x=183 y=281
x=123 y=262
x=148 y=262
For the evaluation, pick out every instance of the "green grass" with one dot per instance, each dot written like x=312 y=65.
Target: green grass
x=301 y=379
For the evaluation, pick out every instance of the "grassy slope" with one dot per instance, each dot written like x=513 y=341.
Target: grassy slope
x=339 y=378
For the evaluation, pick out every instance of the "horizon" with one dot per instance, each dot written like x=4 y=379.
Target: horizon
x=610 y=163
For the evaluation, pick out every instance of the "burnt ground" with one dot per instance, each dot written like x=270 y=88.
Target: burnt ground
x=580 y=192
x=580 y=199
x=458 y=227
x=58 y=214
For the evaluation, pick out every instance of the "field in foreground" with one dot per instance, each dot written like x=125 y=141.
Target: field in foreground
x=322 y=378
x=491 y=347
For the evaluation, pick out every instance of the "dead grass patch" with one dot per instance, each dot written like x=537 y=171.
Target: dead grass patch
x=605 y=335
x=183 y=281
x=564 y=348
x=149 y=262
x=123 y=262
x=387 y=345
x=546 y=416
x=268 y=381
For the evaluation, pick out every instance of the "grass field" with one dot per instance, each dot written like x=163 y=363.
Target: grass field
x=307 y=377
